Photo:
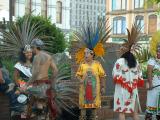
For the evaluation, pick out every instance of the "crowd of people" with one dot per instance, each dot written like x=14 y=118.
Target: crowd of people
x=31 y=77
x=127 y=76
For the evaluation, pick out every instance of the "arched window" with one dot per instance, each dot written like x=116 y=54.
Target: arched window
x=152 y=24
x=140 y=22
x=138 y=4
x=119 y=4
x=119 y=25
x=59 y=12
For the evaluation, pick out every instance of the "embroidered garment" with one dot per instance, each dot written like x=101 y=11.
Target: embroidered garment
x=153 y=96
x=89 y=92
x=126 y=82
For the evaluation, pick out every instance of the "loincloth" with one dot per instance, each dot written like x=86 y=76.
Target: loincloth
x=39 y=88
x=42 y=89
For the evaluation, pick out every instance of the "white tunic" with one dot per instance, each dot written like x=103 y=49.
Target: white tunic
x=153 y=95
x=126 y=82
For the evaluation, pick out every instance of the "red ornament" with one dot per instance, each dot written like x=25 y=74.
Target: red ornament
x=124 y=110
x=118 y=109
x=117 y=66
x=127 y=103
x=118 y=101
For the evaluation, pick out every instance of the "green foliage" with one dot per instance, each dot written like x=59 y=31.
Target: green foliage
x=144 y=69
x=56 y=41
x=157 y=1
x=150 y=3
x=18 y=35
x=143 y=56
x=9 y=65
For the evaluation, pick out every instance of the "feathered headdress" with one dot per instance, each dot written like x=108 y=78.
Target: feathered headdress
x=19 y=35
x=133 y=37
x=27 y=48
x=155 y=41
x=92 y=38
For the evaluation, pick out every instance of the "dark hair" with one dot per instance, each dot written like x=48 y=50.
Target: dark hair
x=22 y=57
x=130 y=58
x=38 y=48
x=93 y=55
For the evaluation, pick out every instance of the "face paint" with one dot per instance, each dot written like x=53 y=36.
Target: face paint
x=88 y=54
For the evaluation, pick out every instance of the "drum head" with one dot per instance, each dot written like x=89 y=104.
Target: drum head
x=22 y=98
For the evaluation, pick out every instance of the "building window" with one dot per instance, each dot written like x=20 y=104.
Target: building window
x=140 y=22
x=138 y=4
x=152 y=26
x=51 y=9
x=119 y=25
x=19 y=8
x=59 y=12
x=36 y=7
x=119 y=4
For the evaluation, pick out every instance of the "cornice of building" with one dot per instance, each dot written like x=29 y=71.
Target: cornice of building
x=135 y=11
x=125 y=36
x=118 y=36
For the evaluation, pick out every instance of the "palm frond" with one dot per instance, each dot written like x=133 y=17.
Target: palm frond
x=65 y=89
x=18 y=35
x=143 y=55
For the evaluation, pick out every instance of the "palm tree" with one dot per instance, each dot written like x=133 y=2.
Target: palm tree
x=150 y=3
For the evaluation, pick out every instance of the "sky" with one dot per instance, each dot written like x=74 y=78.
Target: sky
x=4 y=9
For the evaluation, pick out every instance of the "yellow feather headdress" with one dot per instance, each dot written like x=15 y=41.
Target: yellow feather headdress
x=154 y=43
x=92 y=38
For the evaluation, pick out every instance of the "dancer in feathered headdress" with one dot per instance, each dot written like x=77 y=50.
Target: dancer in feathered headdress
x=153 y=105
x=93 y=39
x=127 y=77
x=90 y=72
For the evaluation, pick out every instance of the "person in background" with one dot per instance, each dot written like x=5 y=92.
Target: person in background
x=90 y=74
x=153 y=71
x=22 y=69
x=6 y=84
x=42 y=84
x=22 y=73
x=127 y=77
